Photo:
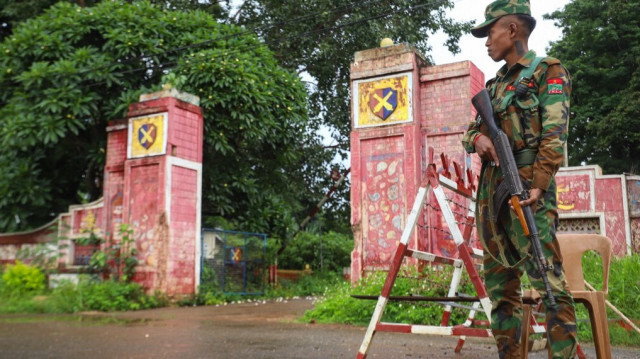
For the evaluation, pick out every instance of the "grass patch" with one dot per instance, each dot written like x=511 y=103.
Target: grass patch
x=337 y=305
x=88 y=295
x=308 y=285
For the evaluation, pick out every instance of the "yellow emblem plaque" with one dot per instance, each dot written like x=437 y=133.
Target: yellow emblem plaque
x=147 y=135
x=383 y=100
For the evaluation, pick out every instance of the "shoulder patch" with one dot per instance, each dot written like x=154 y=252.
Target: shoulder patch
x=554 y=86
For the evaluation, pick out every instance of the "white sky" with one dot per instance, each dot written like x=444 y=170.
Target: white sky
x=473 y=49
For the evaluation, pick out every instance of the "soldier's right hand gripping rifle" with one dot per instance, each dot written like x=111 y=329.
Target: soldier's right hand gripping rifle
x=516 y=191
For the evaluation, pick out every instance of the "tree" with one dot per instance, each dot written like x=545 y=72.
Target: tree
x=317 y=38
x=15 y=12
x=66 y=73
x=601 y=48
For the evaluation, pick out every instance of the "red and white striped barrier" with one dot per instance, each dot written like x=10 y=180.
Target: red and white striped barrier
x=436 y=183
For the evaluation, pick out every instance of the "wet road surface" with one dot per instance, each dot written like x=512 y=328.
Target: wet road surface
x=247 y=330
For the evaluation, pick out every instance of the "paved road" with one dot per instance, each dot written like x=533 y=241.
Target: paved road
x=248 y=330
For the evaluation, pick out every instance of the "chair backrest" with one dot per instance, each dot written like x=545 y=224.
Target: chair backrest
x=573 y=246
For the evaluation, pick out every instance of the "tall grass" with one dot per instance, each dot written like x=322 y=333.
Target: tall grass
x=624 y=294
x=337 y=305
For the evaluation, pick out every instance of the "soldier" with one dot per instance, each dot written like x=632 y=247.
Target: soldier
x=530 y=96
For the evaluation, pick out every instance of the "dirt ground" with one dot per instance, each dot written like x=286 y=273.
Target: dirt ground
x=247 y=330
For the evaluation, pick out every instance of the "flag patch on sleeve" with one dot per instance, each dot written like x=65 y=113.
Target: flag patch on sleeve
x=554 y=86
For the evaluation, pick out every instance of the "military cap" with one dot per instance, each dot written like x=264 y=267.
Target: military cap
x=498 y=9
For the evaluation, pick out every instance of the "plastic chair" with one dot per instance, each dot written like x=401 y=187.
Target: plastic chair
x=573 y=247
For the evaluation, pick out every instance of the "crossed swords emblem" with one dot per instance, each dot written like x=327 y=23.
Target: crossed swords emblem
x=147 y=135
x=236 y=255
x=383 y=102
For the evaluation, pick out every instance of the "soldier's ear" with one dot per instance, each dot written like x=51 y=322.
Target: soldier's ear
x=513 y=27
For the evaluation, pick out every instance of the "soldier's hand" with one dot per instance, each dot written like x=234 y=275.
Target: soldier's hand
x=485 y=149
x=534 y=195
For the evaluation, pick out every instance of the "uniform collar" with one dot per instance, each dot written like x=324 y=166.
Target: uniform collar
x=525 y=61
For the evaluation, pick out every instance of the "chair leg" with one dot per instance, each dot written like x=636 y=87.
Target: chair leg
x=599 y=328
x=526 y=329
x=605 y=343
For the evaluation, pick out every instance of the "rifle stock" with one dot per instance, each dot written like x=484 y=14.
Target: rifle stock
x=482 y=104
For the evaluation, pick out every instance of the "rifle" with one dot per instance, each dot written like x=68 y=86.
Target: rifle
x=482 y=104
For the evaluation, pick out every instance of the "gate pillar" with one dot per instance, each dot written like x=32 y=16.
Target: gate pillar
x=153 y=183
x=385 y=151
x=400 y=108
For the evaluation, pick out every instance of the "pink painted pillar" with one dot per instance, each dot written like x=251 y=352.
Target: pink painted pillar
x=153 y=182
x=385 y=152
x=446 y=91
x=400 y=108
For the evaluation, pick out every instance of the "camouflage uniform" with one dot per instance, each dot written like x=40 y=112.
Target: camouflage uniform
x=536 y=126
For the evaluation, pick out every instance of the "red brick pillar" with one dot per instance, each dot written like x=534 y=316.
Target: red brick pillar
x=400 y=108
x=446 y=91
x=153 y=183
x=385 y=151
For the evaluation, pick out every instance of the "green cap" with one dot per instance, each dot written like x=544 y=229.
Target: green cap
x=498 y=9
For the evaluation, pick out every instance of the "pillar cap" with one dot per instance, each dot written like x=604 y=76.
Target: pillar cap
x=182 y=96
x=380 y=52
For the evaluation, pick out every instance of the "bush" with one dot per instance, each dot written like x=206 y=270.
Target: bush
x=87 y=295
x=328 y=252
x=112 y=295
x=20 y=279
x=307 y=285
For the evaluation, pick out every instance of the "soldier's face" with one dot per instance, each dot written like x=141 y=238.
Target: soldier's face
x=499 y=40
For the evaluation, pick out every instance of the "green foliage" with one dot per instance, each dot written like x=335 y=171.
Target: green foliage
x=601 y=47
x=66 y=73
x=112 y=295
x=116 y=256
x=21 y=279
x=14 y=12
x=319 y=37
x=624 y=294
x=87 y=295
x=307 y=285
x=339 y=307
x=328 y=251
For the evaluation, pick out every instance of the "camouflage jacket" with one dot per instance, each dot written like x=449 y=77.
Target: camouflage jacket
x=536 y=123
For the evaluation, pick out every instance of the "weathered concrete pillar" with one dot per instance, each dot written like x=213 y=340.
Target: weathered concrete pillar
x=153 y=182
x=400 y=108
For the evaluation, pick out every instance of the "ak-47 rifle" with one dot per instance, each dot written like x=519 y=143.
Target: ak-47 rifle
x=482 y=104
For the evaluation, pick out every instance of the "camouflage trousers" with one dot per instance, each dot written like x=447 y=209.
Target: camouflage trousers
x=507 y=254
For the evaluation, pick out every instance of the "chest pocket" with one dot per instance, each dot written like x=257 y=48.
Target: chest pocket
x=529 y=101
x=522 y=97
x=524 y=94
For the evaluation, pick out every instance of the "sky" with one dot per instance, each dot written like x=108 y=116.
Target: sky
x=473 y=49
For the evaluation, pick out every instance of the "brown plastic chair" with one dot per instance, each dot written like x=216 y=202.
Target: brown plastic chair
x=573 y=247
